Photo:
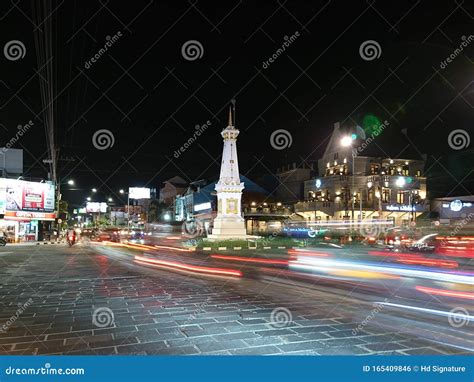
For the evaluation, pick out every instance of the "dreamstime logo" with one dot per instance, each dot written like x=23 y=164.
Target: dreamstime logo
x=378 y=308
x=281 y=139
x=21 y=130
x=192 y=50
x=103 y=317
x=197 y=133
x=370 y=50
x=18 y=313
x=280 y=317
x=14 y=50
x=110 y=40
x=465 y=42
x=378 y=130
x=103 y=139
x=373 y=230
x=458 y=317
x=192 y=228
x=459 y=139
x=286 y=44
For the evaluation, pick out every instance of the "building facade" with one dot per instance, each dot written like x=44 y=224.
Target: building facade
x=351 y=186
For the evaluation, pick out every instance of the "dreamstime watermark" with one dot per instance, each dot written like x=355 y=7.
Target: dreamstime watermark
x=286 y=44
x=378 y=308
x=103 y=317
x=46 y=370
x=18 y=313
x=370 y=50
x=21 y=130
x=459 y=139
x=378 y=130
x=281 y=139
x=197 y=133
x=457 y=229
x=14 y=50
x=192 y=50
x=193 y=228
x=466 y=41
x=459 y=317
x=280 y=317
x=103 y=139
x=111 y=40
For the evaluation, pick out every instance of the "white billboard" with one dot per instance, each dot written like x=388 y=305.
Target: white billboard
x=139 y=193
x=20 y=195
x=96 y=207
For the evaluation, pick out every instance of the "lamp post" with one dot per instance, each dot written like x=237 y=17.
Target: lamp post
x=128 y=208
x=346 y=141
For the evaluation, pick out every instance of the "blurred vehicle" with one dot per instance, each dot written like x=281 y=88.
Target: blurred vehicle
x=426 y=244
x=136 y=235
x=109 y=234
x=3 y=241
x=71 y=237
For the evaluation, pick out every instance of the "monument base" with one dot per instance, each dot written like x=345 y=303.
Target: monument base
x=228 y=228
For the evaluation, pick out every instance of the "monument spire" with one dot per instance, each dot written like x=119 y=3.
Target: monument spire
x=230 y=117
x=229 y=222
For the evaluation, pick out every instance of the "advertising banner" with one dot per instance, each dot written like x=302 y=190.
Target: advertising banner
x=139 y=193
x=96 y=207
x=20 y=195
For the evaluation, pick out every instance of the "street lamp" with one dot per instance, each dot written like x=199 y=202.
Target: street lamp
x=94 y=189
x=70 y=182
x=346 y=141
x=110 y=199
x=88 y=198
x=128 y=207
x=400 y=182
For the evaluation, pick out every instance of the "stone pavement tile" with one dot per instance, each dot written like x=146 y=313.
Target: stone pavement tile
x=202 y=332
x=247 y=328
x=99 y=351
x=17 y=340
x=346 y=333
x=381 y=338
x=258 y=350
x=221 y=345
x=274 y=332
x=57 y=336
x=423 y=351
x=385 y=346
x=295 y=346
x=235 y=336
x=342 y=350
x=89 y=339
x=252 y=321
x=314 y=322
x=313 y=329
x=261 y=341
x=343 y=342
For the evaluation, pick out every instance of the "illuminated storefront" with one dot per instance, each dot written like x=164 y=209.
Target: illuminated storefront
x=23 y=206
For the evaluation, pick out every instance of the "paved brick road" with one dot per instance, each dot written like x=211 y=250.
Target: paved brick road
x=48 y=296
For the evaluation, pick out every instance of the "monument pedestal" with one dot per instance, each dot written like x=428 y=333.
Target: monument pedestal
x=228 y=228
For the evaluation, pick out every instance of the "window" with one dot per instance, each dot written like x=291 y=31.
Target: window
x=402 y=197
x=386 y=195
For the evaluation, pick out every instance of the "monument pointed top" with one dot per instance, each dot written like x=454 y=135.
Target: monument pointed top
x=230 y=117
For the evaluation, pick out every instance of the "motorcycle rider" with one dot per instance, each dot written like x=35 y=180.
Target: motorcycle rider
x=71 y=237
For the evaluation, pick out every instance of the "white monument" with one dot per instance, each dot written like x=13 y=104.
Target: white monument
x=229 y=223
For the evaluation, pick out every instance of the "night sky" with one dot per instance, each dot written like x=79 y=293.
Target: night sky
x=151 y=98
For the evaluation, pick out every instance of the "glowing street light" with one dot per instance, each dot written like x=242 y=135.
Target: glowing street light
x=88 y=199
x=400 y=182
x=346 y=141
x=94 y=189
x=70 y=182
x=110 y=199
x=122 y=191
